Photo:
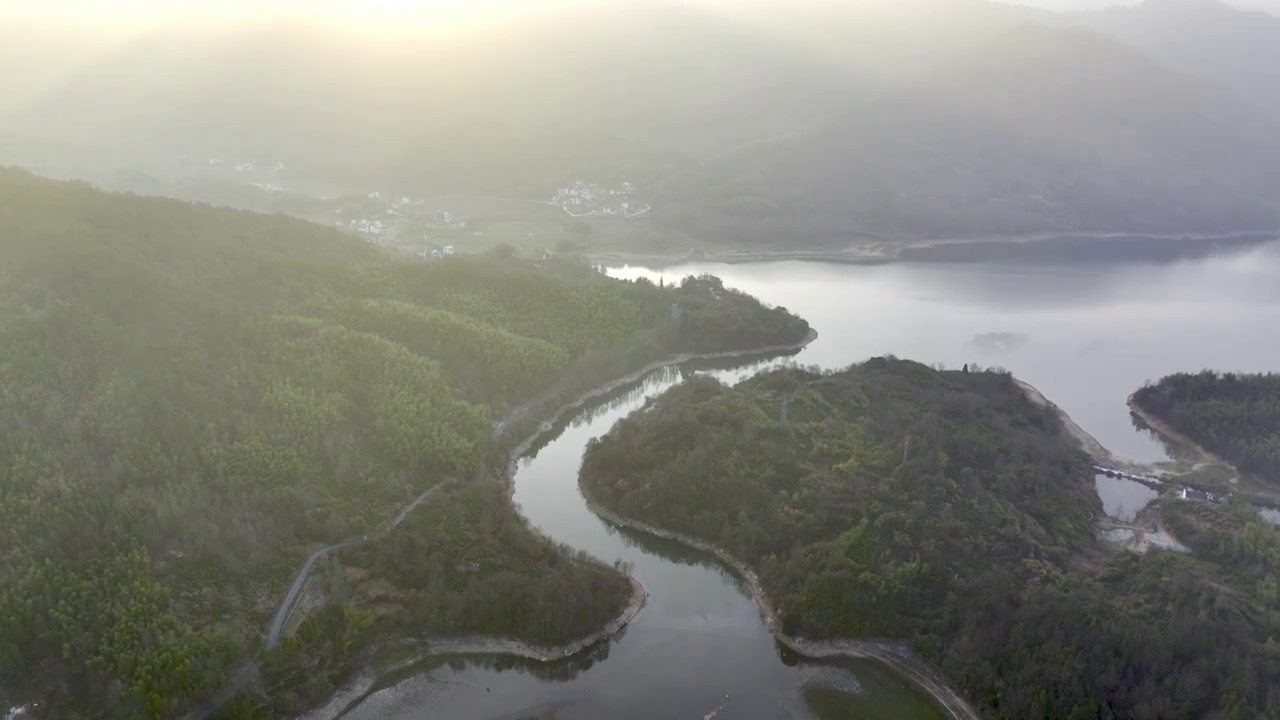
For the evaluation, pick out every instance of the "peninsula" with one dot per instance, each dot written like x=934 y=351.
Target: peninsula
x=891 y=501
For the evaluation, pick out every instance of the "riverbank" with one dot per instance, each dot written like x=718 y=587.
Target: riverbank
x=1045 y=247
x=894 y=653
x=1166 y=431
x=1204 y=470
x=358 y=687
x=578 y=403
x=1087 y=442
x=516 y=648
x=361 y=684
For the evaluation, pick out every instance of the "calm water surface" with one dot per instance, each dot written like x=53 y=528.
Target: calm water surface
x=1086 y=336
x=1123 y=499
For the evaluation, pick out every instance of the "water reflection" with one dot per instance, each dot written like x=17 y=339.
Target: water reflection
x=1177 y=451
x=562 y=671
x=1091 y=334
x=1123 y=499
x=1088 y=336
x=678 y=552
x=728 y=370
x=698 y=638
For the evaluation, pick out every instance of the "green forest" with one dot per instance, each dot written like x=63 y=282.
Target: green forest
x=891 y=500
x=1234 y=416
x=192 y=399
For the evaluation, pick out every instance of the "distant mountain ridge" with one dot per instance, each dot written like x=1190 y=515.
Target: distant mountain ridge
x=1237 y=49
x=1040 y=130
x=818 y=127
x=607 y=95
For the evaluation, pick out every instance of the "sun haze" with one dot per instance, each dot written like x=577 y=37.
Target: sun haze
x=374 y=16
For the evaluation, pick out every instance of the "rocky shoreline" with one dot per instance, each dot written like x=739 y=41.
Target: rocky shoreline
x=894 y=653
x=1087 y=442
x=361 y=685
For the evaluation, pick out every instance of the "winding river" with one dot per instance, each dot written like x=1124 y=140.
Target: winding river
x=1085 y=335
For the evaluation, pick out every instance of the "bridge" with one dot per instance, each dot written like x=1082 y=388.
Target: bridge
x=1181 y=490
x=1150 y=481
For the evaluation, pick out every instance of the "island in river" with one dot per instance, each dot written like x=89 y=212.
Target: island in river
x=894 y=501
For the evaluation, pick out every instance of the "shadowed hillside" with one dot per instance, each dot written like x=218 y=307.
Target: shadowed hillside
x=1234 y=49
x=1037 y=130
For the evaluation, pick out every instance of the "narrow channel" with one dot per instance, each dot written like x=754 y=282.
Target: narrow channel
x=697 y=650
x=1086 y=336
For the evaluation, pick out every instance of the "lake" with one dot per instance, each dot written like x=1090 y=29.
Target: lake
x=1085 y=335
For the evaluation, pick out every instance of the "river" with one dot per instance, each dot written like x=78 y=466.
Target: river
x=1085 y=335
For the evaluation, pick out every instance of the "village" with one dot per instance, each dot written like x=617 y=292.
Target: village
x=402 y=223
x=432 y=229
x=582 y=199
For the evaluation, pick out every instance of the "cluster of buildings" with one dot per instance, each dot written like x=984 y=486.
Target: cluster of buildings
x=400 y=216
x=244 y=167
x=443 y=219
x=365 y=226
x=582 y=193
x=591 y=199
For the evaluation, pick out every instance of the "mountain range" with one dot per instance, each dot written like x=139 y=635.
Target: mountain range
x=1204 y=39
x=818 y=126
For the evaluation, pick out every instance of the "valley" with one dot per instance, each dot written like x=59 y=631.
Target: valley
x=1076 y=353
x=846 y=137
x=580 y=359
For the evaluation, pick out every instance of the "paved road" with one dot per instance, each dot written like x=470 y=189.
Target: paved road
x=273 y=637
x=282 y=615
x=249 y=672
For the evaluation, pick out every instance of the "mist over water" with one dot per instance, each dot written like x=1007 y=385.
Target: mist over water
x=1086 y=335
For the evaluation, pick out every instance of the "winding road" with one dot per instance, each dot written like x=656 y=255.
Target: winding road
x=249 y=672
x=282 y=615
x=273 y=637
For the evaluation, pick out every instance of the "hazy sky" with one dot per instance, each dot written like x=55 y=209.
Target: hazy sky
x=1089 y=4
x=365 y=14
x=348 y=13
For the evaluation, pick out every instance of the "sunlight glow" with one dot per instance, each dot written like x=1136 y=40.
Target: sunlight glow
x=361 y=16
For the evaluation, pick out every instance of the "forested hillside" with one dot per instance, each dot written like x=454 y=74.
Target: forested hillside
x=1236 y=417
x=890 y=500
x=193 y=399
